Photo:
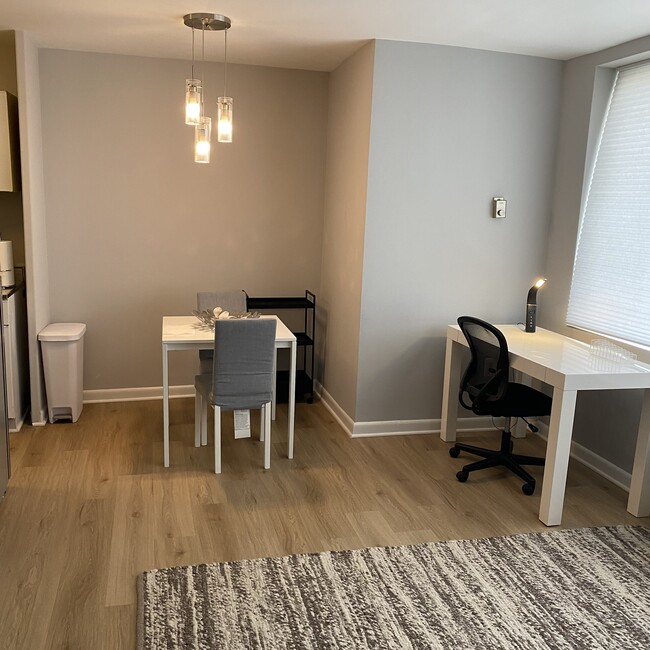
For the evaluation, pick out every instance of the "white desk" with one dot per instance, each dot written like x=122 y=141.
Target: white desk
x=568 y=366
x=186 y=333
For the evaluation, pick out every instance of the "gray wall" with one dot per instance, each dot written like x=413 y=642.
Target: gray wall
x=135 y=227
x=606 y=422
x=348 y=140
x=451 y=128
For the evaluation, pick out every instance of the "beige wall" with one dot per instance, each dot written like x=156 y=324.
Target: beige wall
x=136 y=228
x=348 y=142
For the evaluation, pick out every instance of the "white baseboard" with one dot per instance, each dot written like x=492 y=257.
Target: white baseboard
x=598 y=464
x=41 y=419
x=392 y=427
x=134 y=394
x=15 y=424
x=346 y=422
x=593 y=461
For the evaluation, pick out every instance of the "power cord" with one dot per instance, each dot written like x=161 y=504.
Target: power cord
x=513 y=424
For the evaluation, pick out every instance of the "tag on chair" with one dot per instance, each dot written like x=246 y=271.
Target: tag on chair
x=242 y=424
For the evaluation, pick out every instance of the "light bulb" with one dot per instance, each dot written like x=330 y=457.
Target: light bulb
x=224 y=119
x=202 y=133
x=193 y=91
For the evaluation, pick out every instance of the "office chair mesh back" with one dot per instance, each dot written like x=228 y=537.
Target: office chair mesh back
x=486 y=376
x=487 y=383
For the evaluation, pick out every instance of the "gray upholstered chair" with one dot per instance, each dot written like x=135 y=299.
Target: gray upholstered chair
x=231 y=300
x=241 y=378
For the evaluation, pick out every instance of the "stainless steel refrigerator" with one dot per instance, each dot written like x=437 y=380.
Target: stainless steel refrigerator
x=4 y=424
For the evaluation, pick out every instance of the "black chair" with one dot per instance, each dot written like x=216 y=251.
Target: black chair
x=486 y=383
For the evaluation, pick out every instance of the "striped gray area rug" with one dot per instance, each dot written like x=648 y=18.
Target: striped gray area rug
x=584 y=588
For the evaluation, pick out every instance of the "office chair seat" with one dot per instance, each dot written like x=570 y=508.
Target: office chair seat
x=486 y=383
x=518 y=401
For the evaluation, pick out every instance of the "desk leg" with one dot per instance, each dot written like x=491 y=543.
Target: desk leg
x=165 y=372
x=292 y=396
x=449 y=419
x=638 y=502
x=558 y=448
x=275 y=383
x=520 y=429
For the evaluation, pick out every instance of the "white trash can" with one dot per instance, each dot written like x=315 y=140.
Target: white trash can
x=62 y=345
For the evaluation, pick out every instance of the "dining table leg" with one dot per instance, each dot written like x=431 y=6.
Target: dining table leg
x=292 y=396
x=165 y=372
x=275 y=384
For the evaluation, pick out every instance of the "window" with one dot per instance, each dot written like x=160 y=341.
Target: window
x=610 y=289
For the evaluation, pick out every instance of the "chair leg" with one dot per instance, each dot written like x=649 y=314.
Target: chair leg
x=217 y=439
x=267 y=435
x=528 y=460
x=519 y=471
x=262 y=424
x=204 y=421
x=197 y=418
x=494 y=461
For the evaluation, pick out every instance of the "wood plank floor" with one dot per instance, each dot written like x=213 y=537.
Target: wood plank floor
x=89 y=506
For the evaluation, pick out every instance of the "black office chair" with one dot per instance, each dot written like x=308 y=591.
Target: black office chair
x=486 y=383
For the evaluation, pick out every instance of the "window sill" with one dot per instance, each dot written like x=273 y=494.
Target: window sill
x=587 y=336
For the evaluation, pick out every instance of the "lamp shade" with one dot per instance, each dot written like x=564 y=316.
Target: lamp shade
x=531 y=305
x=202 y=134
x=193 y=96
x=224 y=119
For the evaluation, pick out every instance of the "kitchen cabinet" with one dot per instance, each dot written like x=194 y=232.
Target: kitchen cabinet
x=9 y=160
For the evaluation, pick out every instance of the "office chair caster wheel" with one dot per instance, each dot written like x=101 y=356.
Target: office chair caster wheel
x=454 y=452
x=462 y=476
x=528 y=488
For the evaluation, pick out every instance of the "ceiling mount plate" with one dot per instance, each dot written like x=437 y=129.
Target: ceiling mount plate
x=209 y=22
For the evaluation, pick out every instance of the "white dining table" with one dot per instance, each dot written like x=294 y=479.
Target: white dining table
x=568 y=366
x=188 y=333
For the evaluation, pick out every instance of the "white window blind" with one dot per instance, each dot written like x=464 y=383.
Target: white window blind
x=610 y=289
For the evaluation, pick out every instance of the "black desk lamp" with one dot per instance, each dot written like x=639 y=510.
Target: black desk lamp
x=531 y=306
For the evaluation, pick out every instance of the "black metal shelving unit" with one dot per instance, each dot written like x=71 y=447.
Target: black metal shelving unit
x=305 y=340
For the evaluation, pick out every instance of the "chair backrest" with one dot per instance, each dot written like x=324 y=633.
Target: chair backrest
x=230 y=300
x=486 y=377
x=242 y=376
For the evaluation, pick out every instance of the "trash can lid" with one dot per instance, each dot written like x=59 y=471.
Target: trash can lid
x=62 y=332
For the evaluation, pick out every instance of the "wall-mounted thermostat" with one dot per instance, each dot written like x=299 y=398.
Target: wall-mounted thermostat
x=499 y=207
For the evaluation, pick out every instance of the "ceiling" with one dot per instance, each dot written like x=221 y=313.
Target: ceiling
x=320 y=34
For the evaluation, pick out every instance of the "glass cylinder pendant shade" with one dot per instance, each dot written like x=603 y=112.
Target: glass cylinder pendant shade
x=224 y=123
x=202 y=132
x=193 y=91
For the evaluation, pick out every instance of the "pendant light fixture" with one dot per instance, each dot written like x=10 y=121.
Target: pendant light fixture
x=195 y=91
x=203 y=130
x=224 y=104
x=202 y=133
x=193 y=94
